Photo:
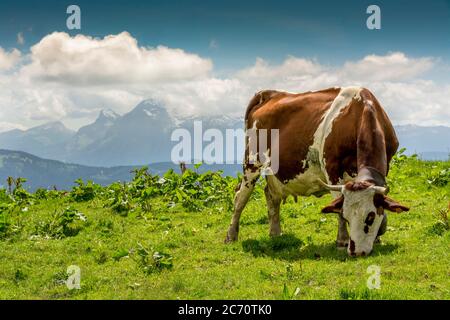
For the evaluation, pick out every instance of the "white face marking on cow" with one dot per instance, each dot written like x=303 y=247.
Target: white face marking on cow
x=364 y=222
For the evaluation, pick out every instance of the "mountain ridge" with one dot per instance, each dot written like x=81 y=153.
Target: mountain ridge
x=143 y=135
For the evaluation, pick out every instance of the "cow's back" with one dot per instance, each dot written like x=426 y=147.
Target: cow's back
x=322 y=129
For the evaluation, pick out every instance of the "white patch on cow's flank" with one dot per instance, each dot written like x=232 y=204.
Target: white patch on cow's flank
x=343 y=99
x=306 y=183
x=266 y=170
x=252 y=143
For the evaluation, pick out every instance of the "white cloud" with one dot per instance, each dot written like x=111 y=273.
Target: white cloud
x=292 y=68
x=6 y=126
x=210 y=96
x=419 y=102
x=394 y=78
x=72 y=78
x=115 y=59
x=391 y=67
x=9 y=59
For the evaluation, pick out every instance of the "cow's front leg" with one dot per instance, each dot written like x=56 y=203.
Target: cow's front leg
x=383 y=227
x=273 y=206
x=342 y=236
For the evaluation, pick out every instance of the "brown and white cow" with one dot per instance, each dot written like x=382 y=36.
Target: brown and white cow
x=338 y=135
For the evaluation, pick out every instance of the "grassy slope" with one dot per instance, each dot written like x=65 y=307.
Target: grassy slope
x=414 y=259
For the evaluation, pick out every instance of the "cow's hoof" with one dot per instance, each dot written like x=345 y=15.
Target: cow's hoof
x=341 y=244
x=231 y=238
x=275 y=234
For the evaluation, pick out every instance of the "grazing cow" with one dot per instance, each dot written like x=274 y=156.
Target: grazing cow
x=338 y=135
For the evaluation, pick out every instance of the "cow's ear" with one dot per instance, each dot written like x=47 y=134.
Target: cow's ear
x=335 y=206
x=392 y=205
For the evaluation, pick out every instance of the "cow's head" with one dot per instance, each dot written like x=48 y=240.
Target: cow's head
x=362 y=205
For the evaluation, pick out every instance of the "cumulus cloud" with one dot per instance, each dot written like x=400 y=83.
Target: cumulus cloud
x=115 y=59
x=420 y=102
x=6 y=126
x=391 y=67
x=72 y=78
x=206 y=97
x=300 y=74
x=291 y=69
x=394 y=78
x=9 y=59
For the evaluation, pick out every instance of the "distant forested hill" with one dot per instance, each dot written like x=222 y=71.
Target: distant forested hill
x=44 y=173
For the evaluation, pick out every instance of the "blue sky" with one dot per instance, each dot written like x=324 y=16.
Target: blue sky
x=209 y=57
x=327 y=30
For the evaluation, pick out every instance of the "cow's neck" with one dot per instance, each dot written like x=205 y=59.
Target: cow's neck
x=371 y=175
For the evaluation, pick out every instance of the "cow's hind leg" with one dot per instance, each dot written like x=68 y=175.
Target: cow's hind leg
x=273 y=199
x=246 y=187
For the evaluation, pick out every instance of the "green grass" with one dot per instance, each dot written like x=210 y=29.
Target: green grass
x=115 y=249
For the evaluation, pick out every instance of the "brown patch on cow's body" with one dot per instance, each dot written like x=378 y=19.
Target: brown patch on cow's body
x=362 y=135
x=297 y=116
x=259 y=99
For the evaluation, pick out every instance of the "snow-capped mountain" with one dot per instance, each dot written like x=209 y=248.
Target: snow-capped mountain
x=138 y=137
x=143 y=136
x=91 y=133
x=48 y=140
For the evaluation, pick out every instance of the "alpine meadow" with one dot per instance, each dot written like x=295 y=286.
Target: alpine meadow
x=161 y=237
x=205 y=159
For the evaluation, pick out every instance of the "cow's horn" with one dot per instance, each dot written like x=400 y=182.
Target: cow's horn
x=330 y=186
x=380 y=190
